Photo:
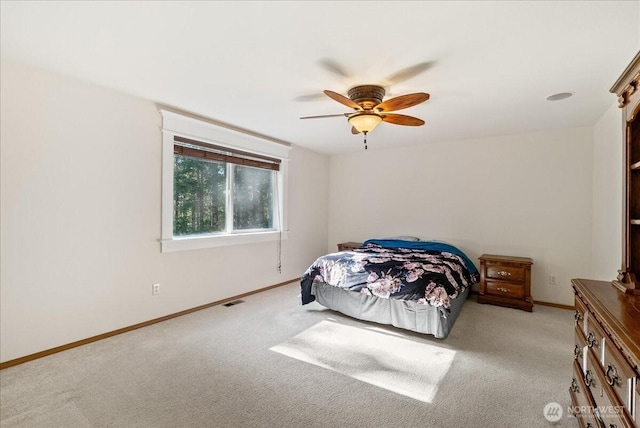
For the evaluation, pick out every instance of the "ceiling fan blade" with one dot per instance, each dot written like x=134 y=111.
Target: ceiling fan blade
x=342 y=99
x=401 y=119
x=334 y=67
x=409 y=72
x=327 y=115
x=401 y=102
x=354 y=131
x=310 y=97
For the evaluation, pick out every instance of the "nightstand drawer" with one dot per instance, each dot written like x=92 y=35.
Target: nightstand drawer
x=509 y=273
x=506 y=289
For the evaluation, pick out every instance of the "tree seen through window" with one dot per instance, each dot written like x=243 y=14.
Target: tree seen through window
x=201 y=205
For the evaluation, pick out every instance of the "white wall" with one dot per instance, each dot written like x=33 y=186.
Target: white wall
x=607 y=194
x=523 y=195
x=80 y=210
x=80 y=218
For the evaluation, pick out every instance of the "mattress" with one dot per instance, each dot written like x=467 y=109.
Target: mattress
x=405 y=314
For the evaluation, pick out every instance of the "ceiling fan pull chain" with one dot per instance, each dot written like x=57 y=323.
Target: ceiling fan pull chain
x=365 y=140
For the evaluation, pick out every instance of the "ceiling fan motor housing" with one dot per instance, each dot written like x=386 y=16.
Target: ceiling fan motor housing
x=367 y=96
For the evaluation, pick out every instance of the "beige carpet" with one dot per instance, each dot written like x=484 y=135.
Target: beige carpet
x=372 y=355
x=270 y=362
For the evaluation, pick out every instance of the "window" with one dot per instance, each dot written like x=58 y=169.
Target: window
x=221 y=190
x=217 y=188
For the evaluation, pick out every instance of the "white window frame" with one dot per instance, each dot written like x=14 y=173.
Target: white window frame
x=189 y=127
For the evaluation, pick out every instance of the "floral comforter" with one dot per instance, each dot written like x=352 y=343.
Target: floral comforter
x=429 y=273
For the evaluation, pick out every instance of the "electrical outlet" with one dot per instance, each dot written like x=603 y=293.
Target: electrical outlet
x=155 y=289
x=552 y=279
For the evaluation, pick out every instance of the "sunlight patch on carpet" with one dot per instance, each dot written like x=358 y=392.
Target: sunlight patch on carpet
x=410 y=368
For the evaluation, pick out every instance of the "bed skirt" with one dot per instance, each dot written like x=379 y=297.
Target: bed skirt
x=403 y=314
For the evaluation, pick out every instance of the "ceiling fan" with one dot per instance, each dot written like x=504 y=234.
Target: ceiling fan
x=370 y=110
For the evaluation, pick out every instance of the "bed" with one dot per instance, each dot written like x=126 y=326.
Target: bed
x=414 y=285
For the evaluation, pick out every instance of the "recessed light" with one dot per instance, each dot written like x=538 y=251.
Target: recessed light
x=559 y=96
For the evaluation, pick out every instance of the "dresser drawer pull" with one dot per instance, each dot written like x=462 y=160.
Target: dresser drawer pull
x=588 y=378
x=504 y=290
x=577 y=352
x=577 y=316
x=612 y=375
x=591 y=339
x=613 y=426
x=503 y=273
x=574 y=385
x=589 y=425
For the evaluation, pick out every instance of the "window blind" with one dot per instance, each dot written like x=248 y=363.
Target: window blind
x=199 y=149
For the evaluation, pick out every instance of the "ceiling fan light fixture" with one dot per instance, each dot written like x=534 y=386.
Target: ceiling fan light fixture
x=365 y=122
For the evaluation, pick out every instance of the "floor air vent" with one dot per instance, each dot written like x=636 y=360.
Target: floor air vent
x=235 y=302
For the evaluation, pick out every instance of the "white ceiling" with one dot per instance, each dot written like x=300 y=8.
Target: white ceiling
x=262 y=65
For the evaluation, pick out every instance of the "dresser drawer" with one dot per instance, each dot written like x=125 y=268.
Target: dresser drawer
x=579 y=315
x=583 y=405
x=618 y=374
x=609 y=410
x=580 y=347
x=509 y=273
x=506 y=289
x=595 y=337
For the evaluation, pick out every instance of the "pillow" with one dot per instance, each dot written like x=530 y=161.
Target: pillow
x=402 y=238
x=434 y=240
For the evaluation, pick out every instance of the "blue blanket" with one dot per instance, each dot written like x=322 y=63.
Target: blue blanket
x=426 y=246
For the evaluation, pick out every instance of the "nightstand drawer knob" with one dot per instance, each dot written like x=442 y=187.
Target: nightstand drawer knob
x=503 y=273
x=504 y=290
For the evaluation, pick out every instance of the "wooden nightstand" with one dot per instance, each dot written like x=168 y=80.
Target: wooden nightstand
x=506 y=281
x=348 y=246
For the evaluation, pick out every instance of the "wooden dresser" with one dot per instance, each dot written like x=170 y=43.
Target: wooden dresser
x=506 y=281
x=604 y=389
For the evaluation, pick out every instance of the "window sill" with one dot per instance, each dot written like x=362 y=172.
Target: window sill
x=200 y=242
